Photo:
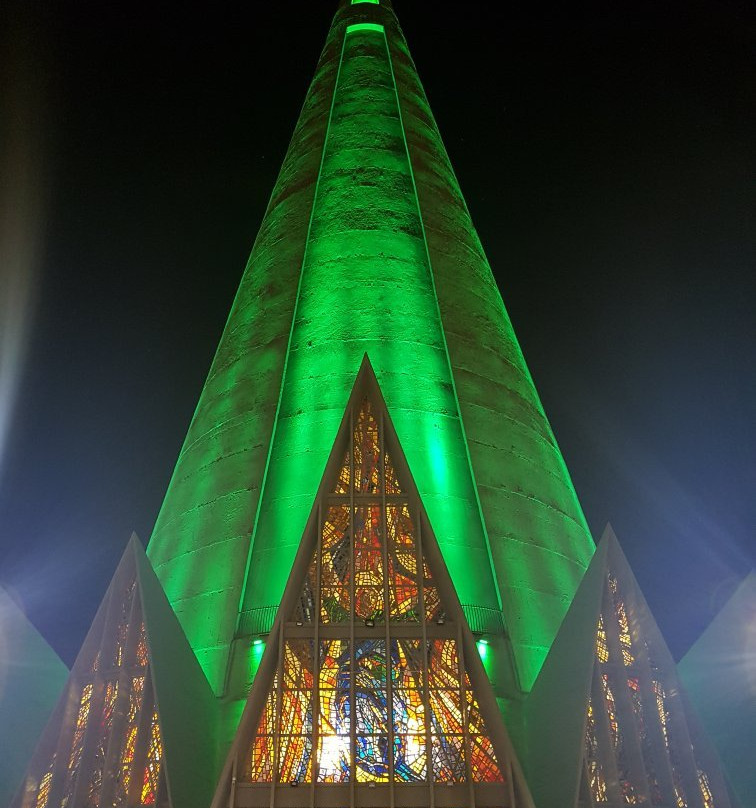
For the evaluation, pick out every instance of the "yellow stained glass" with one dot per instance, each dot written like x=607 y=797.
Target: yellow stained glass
x=77 y=741
x=103 y=739
x=703 y=783
x=364 y=708
x=44 y=790
x=367 y=452
x=141 y=651
x=661 y=709
x=342 y=481
x=596 y=779
x=626 y=642
x=126 y=762
x=151 y=777
x=611 y=710
x=602 y=648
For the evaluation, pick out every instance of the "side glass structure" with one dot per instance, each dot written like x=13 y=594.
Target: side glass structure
x=105 y=748
x=371 y=689
x=638 y=748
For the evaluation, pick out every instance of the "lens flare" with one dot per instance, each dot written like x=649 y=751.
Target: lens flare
x=21 y=216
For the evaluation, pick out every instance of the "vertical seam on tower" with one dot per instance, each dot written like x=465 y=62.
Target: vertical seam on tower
x=288 y=345
x=441 y=324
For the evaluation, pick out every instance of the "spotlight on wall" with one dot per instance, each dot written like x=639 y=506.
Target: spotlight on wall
x=369 y=622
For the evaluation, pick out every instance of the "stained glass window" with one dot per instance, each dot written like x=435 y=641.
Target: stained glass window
x=103 y=737
x=151 y=775
x=128 y=739
x=373 y=687
x=706 y=794
x=631 y=709
x=620 y=612
x=77 y=740
x=112 y=748
x=596 y=777
x=602 y=649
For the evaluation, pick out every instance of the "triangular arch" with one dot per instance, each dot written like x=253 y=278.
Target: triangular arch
x=370 y=691
x=642 y=743
x=105 y=742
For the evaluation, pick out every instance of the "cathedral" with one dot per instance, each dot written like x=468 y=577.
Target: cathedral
x=371 y=583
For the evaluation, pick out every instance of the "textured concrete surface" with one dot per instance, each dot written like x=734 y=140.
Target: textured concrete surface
x=367 y=247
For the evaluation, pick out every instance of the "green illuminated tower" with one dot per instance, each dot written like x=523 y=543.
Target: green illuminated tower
x=378 y=586
x=367 y=247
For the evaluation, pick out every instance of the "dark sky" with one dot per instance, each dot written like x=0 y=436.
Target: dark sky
x=606 y=152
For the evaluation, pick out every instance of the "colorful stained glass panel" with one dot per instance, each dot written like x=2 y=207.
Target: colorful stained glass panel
x=295 y=759
x=333 y=758
x=151 y=779
x=367 y=452
x=448 y=758
x=367 y=706
x=410 y=757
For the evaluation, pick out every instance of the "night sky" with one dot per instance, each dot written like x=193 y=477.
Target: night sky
x=606 y=153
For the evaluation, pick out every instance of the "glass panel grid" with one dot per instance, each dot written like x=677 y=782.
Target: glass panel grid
x=648 y=749
x=98 y=764
x=372 y=708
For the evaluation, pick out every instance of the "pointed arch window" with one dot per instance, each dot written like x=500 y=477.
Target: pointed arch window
x=372 y=679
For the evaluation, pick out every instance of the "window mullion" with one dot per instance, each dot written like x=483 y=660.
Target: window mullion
x=606 y=752
x=386 y=612
x=352 y=700
x=424 y=655
x=316 y=660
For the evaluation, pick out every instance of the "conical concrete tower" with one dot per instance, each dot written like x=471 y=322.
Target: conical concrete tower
x=367 y=248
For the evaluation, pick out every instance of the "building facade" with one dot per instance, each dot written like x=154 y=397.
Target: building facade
x=371 y=582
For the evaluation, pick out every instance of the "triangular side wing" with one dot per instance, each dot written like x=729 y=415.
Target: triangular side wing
x=104 y=744
x=641 y=744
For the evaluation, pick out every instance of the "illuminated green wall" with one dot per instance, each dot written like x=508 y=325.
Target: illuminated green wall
x=367 y=247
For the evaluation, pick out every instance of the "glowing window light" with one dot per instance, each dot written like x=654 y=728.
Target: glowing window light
x=703 y=783
x=596 y=779
x=126 y=762
x=106 y=722
x=77 y=742
x=152 y=766
x=44 y=790
x=661 y=708
x=141 y=650
x=626 y=642
x=602 y=648
x=38 y=795
x=611 y=710
x=329 y=701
